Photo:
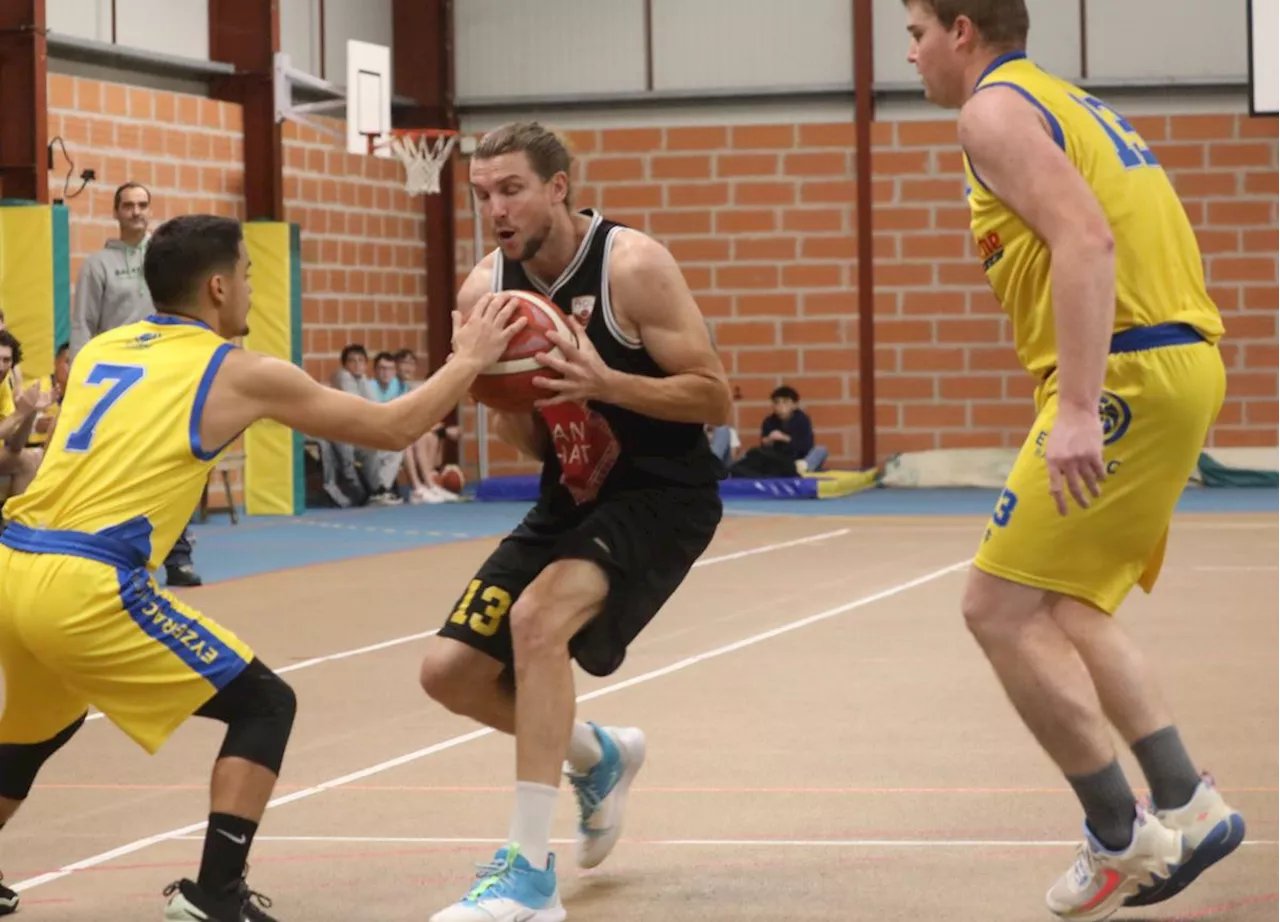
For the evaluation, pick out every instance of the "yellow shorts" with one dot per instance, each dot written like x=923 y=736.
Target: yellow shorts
x=77 y=631
x=1157 y=408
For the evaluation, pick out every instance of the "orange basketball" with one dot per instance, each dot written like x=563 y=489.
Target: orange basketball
x=451 y=478
x=507 y=384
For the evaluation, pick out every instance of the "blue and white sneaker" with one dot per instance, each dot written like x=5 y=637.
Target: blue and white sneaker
x=1212 y=831
x=602 y=792
x=509 y=889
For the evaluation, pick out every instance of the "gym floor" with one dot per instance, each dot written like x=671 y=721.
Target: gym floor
x=825 y=740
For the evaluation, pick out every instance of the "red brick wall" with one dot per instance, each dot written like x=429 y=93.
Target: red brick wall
x=364 y=250
x=762 y=219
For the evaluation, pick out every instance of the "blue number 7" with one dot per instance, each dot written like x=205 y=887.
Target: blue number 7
x=1132 y=153
x=125 y=377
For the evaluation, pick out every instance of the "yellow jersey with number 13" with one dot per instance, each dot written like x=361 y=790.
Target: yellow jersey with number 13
x=1158 y=271
x=126 y=457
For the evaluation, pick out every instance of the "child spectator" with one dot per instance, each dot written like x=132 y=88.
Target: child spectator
x=786 y=436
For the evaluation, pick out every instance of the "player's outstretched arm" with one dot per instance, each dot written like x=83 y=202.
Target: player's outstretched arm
x=252 y=386
x=1009 y=146
x=647 y=287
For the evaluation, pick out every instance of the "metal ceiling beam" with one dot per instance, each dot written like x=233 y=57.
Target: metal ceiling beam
x=24 y=110
x=246 y=34
x=422 y=68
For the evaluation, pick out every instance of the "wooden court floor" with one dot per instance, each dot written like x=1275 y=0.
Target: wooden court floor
x=825 y=743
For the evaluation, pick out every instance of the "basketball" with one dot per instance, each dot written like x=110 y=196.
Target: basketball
x=451 y=478
x=507 y=384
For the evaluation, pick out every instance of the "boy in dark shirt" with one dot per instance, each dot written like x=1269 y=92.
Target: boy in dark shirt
x=786 y=436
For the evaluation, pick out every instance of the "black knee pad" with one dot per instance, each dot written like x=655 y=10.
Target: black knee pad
x=21 y=762
x=258 y=708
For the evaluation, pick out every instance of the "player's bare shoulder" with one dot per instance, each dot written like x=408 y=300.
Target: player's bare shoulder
x=643 y=277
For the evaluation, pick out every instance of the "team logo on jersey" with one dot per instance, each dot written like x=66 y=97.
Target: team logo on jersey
x=143 y=340
x=991 y=248
x=1116 y=416
x=582 y=308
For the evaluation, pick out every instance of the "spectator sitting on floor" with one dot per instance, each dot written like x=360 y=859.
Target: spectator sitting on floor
x=786 y=436
x=725 y=443
x=374 y=480
x=18 y=415
x=425 y=457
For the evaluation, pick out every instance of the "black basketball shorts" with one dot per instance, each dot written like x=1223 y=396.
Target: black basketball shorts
x=646 y=540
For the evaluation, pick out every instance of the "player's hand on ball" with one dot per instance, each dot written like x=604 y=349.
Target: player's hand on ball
x=584 y=375
x=1073 y=453
x=483 y=336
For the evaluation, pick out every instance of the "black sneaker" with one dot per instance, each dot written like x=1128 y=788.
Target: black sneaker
x=189 y=903
x=8 y=899
x=184 y=575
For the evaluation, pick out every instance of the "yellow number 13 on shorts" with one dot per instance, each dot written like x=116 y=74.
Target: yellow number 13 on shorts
x=485 y=621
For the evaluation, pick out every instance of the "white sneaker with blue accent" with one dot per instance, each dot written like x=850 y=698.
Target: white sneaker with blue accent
x=602 y=791
x=509 y=889
x=1212 y=830
x=1101 y=880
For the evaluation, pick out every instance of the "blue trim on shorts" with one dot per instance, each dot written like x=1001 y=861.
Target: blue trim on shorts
x=190 y=640
x=1143 y=339
x=202 y=394
x=117 y=547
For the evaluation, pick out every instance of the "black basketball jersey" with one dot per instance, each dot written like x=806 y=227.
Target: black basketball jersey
x=649 y=451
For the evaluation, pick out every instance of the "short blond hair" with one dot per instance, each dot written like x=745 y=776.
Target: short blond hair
x=548 y=153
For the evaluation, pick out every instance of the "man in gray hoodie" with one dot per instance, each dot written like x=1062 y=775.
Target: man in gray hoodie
x=111 y=292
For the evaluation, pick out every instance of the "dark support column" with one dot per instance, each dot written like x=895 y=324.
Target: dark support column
x=864 y=113
x=24 y=110
x=422 y=69
x=246 y=33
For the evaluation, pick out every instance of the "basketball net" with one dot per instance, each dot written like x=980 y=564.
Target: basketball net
x=423 y=153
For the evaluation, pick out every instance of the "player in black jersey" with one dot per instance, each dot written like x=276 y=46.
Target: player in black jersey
x=629 y=500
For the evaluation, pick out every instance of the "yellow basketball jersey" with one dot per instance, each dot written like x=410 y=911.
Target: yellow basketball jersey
x=7 y=405
x=1158 y=269
x=46 y=418
x=126 y=456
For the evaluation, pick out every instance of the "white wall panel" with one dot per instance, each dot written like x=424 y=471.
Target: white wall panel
x=178 y=27
x=1054 y=41
x=364 y=20
x=81 y=18
x=1167 y=38
x=548 y=47
x=300 y=34
x=714 y=44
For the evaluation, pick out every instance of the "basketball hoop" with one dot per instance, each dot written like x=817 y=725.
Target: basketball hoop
x=423 y=152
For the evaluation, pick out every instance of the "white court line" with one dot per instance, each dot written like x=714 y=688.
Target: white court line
x=381 y=767
x=1238 y=568
x=410 y=638
x=707 y=843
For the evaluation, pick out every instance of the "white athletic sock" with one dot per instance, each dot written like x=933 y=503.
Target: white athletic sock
x=531 y=822
x=584 y=748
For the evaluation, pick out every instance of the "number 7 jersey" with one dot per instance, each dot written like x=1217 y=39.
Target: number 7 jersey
x=1158 y=271
x=126 y=455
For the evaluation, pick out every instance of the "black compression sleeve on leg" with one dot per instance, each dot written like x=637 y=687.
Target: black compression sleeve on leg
x=258 y=708
x=21 y=762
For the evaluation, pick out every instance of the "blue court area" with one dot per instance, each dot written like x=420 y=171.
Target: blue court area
x=264 y=544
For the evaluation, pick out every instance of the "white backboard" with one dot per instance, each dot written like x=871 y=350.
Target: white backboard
x=1264 y=57
x=369 y=94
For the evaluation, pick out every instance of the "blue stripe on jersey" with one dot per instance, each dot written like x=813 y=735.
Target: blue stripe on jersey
x=125 y=546
x=190 y=640
x=202 y=394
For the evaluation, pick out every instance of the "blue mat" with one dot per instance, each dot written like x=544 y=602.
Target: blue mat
x=524 y=487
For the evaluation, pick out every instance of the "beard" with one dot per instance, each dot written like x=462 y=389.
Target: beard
x=536 y=242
